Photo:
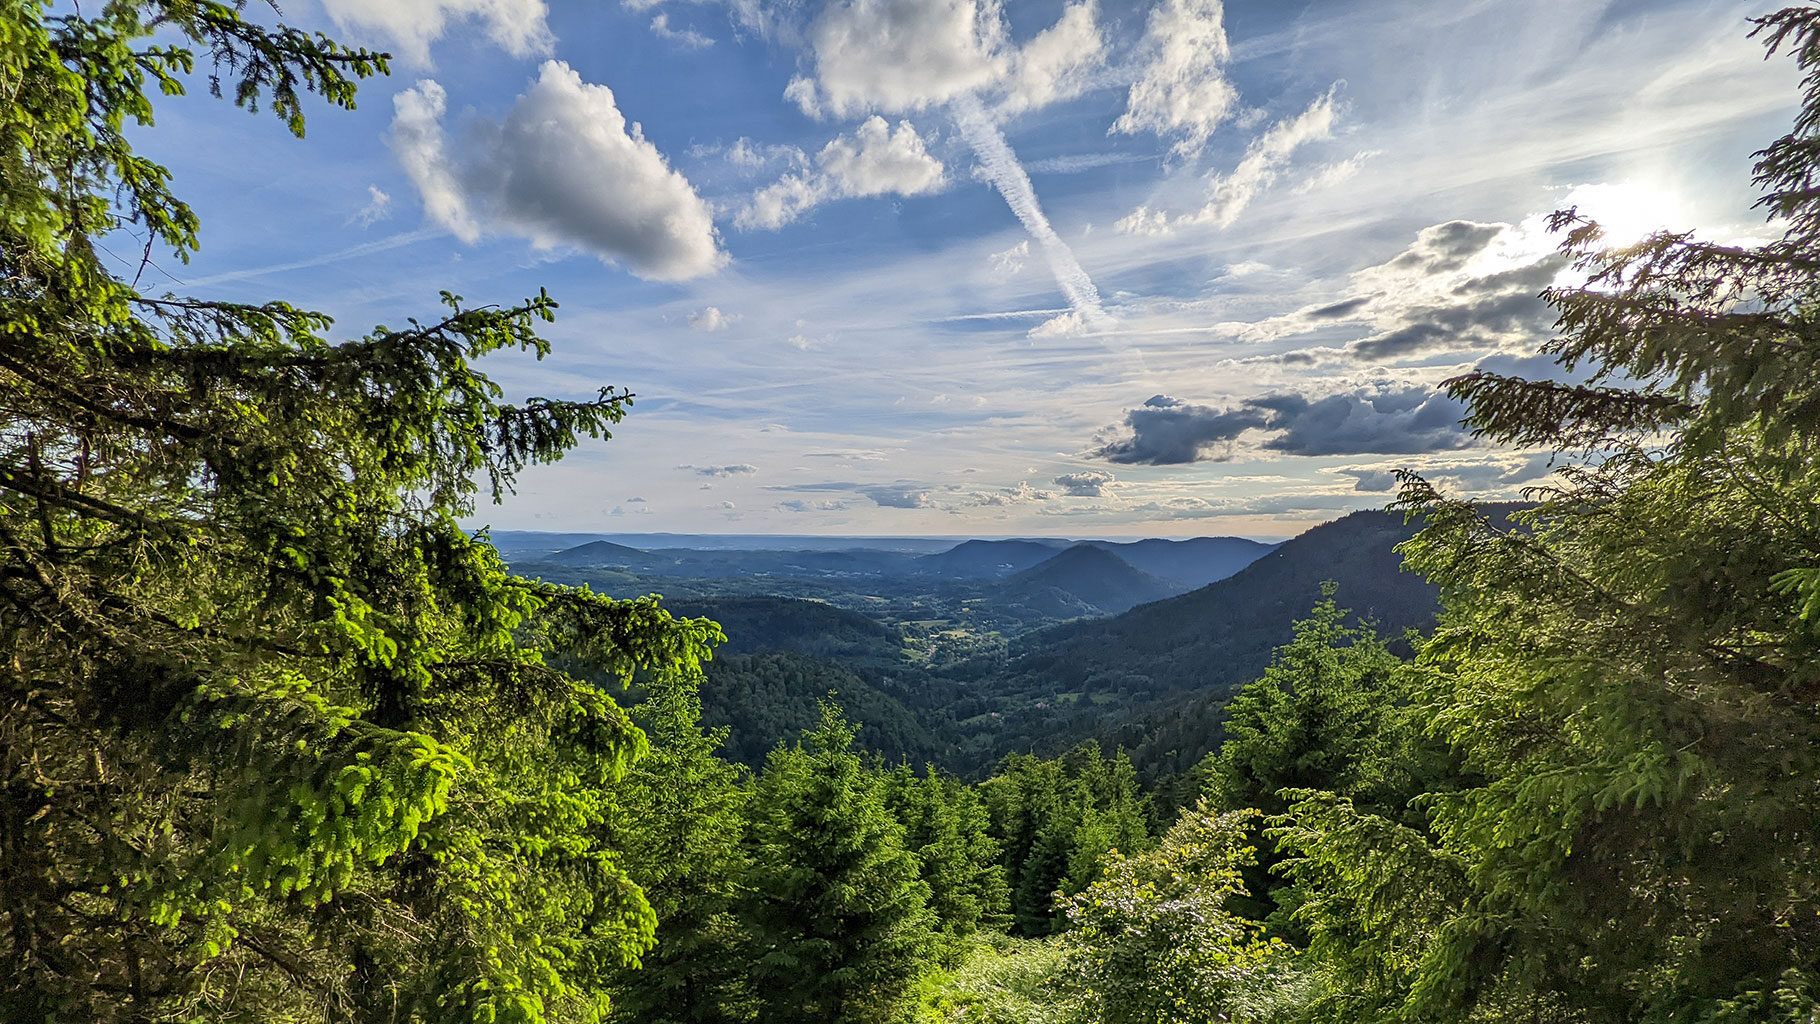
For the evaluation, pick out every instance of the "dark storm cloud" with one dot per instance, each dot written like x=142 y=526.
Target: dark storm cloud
x=1167 y=431
x=1385 y=419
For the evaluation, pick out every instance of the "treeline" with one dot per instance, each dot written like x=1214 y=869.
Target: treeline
x=827 y=884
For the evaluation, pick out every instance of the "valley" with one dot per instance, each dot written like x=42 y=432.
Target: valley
x=962 y=655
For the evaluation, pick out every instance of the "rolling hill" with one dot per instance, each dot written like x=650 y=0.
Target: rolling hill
x=986 y=559
x=1087 y=579
x=1195 y=562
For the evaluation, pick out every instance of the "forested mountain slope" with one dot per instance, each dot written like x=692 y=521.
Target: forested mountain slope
x=1196 y=561
x=1222 y=634
x=1088 y=580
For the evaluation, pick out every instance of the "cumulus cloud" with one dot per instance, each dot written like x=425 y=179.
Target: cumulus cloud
x=711 y=319
x=1182 y=91
x=799 y=505
x=1087 y=484
x=895 y=56
x=1460 y=286
x=1372 y=481
x=1500 y=474
x=738 y=469
x=1167 y=431
x=901 y=494
x=517 y=26
x=901 y=56
x=875 y=160
x=378 y=207
x=1383 y=418
x=688 y=39
x=417 y=141
x=1057 y=64
x=563 y=168
x=897 y=496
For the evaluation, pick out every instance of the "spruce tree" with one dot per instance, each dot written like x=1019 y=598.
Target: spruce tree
x=946 y=826
x=278 y=737
x=836 y=906
x=681 y=834
x=1633 y=672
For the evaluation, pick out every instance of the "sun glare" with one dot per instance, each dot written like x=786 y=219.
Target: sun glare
x=1628 y=212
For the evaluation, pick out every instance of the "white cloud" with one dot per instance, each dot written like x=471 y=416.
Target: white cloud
x=1056 y=64
x=899 y=56
x=1090 y=483
x=1338 y=172
x=378 y=207
x=1263 y=163
x=564 y=168
x=1264 y=160
x=516 y=26
x=688 y=39
x=1183 y=91
x=875 y=160
x=896 y=56
x=1010 y=263
x=1144 y=221
x=738 y=469
x=417 y=141
x=711 y=319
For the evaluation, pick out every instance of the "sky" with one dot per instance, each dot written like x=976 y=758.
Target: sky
x=962 y=267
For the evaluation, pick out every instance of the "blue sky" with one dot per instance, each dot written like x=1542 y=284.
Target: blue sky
x=1161 y=268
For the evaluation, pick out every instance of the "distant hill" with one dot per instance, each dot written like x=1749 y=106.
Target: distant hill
x=1091 y=576
x=986 y=559
x=782 y=624
x=1223 y=633
x=602 y=553
x=1195 y=562
x=1116 y=678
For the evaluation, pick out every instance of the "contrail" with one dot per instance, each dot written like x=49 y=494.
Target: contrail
x=363 y=249
x=1008 y=176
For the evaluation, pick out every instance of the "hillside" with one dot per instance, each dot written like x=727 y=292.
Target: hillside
x=602 y=553
x=1117 y=677
x=985 y=559
x=1088 y=575
x=781 y=624
x=1195 y=562
x=1222 y=634
x=764 y=699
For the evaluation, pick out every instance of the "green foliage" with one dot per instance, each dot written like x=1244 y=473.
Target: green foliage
x=1152 y=940
x=681 y=831
x=835 y=905
x=945 y=823
x=1005 y=980
x=1057 y=821
x=1629 y=674
x=279 y=740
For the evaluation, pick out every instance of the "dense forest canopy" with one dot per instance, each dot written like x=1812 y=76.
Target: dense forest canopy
x=281 y=741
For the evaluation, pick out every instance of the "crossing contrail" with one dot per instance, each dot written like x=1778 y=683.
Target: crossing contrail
x=1007 y=175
